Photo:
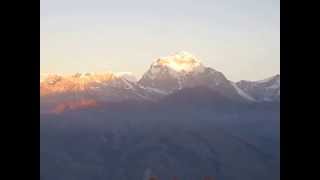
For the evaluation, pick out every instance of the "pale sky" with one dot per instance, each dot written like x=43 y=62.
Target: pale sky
x=240 y=38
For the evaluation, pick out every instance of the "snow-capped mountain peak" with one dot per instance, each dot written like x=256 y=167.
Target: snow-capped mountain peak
x=179 y=62
x=184 y=70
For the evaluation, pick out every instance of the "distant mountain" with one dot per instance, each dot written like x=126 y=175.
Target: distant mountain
x=183 y=70
x=180 y=119
x=263 y=90
x=168 y=73
x=166 y=76
x=65 y=91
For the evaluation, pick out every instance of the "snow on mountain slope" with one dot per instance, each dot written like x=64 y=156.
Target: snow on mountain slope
x=53 y=84
x=71 y=83
x=58 y=91
x=175 y=65
x=242 y=93
x=165 y=76
x=184 y=70
x=180 y=62
x=264 y=90
x=127 y=75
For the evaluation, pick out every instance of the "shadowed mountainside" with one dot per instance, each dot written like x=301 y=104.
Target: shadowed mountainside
x=188 y=139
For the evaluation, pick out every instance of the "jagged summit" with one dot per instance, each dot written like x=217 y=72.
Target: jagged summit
x=184 y=70
x=180 y=62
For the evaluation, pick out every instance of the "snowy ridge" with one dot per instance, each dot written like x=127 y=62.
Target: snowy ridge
x=269 y=79
x=242 y=93
x=129 y=76
x=165 y=76
x=264 y=90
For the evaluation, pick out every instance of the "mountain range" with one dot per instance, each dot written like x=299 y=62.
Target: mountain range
x=180 y=119
x=166 y=76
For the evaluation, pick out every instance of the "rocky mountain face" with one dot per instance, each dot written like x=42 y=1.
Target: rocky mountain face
x=263 y=90
x=187 y=138
x=183 y=70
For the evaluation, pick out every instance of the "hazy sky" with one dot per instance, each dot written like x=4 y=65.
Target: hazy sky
x=241 y=38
